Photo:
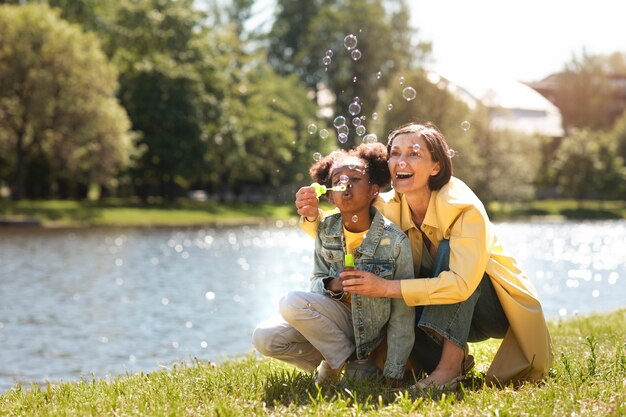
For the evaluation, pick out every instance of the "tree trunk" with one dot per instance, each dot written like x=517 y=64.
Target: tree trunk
x=17 y=191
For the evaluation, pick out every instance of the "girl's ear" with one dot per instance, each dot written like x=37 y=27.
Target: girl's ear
x=374 y=190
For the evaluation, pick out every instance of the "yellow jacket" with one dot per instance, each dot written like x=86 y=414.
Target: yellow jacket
x=455 y=213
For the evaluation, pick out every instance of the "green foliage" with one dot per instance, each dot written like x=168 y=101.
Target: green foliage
x=384 y=40
x=56 y=100
x=586 y=379
x=587 y=166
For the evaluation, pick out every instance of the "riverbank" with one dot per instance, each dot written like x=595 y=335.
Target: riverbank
x=588 y=378
x=64 y=213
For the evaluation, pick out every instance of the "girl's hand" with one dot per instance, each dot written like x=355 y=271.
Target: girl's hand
x=307 y=203
x=365 y=283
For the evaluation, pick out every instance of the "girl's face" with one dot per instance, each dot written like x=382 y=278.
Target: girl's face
x=359 y=193
x=411 y=163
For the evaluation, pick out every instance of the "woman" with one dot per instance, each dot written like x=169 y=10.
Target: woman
x=467 y=289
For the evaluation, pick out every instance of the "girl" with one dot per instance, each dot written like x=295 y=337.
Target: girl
x=327 y=327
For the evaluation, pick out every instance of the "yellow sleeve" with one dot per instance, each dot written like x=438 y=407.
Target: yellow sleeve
x=470 y=235
x=311 y=227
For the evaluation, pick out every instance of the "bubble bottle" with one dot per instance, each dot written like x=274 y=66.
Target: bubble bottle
x=322 y=189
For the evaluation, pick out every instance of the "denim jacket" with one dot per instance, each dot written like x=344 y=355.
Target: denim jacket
x=385 y=252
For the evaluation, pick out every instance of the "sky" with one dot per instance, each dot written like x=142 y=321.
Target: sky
x=524 y=40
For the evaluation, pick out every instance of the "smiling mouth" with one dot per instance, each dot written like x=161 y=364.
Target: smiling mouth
x=403 y=175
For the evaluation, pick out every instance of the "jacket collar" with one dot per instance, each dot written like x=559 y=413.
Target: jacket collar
x=334 y=229
x=406 y=221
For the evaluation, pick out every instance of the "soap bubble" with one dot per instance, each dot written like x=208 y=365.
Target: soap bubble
x=409 y=93
x=401 y=80
x=378 y=75
x=210 y=295
x=329 y=53
x=355 y=218
x=354 y=79
x=357 y=121
x=360 y=130
x=416 y=147
x=402 y=164
x=343 y=129
x=354 y=108
x=389 y=106
x=326 y=60
x=317 y=156
x=375 y=116
x=343 y=137
x=350 y=42
x=356 y=99
x=451 y=153
x=312 y=128
x=370 y=138
x=465 y=125
x=323 y=133
x=343 y=179
x=355 y=54
x=339 y=121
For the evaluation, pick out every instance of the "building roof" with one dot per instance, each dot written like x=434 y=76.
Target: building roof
x=512 y=105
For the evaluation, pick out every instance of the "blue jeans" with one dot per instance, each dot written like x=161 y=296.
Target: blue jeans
x=478 y=318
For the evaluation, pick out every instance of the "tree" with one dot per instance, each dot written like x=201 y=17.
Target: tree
x=156 y=46
x=259 y=138
x=383 y=44
x=587 y=166
x=57 y=99
x=584 y=92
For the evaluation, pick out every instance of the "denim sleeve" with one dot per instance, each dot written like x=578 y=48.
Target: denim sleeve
x=321 y=269
x=401 y=326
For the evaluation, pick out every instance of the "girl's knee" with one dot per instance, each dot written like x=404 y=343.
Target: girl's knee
x=291 y=304
x=263 y=339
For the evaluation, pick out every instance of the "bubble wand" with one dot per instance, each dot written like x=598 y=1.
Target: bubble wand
x=322 y=189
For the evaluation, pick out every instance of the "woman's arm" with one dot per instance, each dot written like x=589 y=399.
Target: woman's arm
x=470 y=248
x=470 y=237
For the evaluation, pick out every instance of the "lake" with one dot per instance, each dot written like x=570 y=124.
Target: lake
x=101 y=302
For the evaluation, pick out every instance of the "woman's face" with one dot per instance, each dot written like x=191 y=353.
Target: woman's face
x=411 y=163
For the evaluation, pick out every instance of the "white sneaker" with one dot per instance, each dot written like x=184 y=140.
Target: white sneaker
x=361 y=369
x=325 y=374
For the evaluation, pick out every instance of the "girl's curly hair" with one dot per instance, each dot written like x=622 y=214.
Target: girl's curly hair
x=374 y=156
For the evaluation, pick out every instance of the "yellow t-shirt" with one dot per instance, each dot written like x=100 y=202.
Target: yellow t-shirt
x=353 y=241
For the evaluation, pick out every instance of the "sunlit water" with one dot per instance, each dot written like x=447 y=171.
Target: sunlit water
x=108 y=301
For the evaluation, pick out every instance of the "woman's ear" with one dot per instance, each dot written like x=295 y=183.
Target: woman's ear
x=436 y=169
x=374 y=190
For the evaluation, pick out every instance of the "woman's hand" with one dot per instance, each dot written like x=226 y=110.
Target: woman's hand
x=307 y=203
x=368 y=284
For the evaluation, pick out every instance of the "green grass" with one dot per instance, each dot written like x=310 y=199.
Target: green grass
x=111 y=212
x=588 y=378
x=128 y=213
x=569 y=209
